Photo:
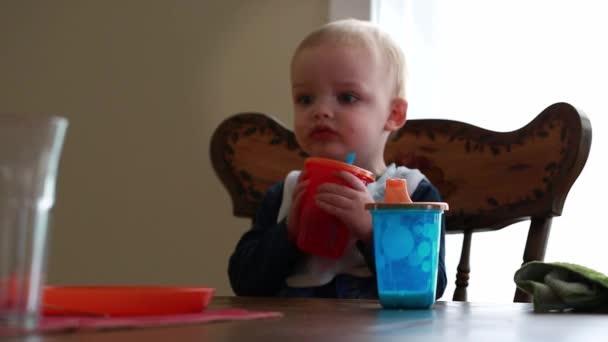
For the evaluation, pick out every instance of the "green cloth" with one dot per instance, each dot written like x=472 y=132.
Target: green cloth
x=562 y=286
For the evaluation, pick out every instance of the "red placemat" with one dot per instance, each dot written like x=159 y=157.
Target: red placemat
x=79 y=323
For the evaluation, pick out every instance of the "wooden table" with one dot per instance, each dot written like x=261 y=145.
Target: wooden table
x=362 y=320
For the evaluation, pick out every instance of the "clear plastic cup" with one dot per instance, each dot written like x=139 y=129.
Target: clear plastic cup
x=320 y=233
x=406 y=247
x=30 y=148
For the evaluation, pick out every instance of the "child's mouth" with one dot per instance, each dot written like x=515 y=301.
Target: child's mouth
x=323 y=133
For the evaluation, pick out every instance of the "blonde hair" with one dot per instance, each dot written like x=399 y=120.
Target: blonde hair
x=365 y=34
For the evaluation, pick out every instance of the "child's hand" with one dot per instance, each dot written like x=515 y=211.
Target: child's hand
x=296 y=200
x=348 y=204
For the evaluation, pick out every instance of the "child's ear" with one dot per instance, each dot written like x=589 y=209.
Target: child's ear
x=398 y=114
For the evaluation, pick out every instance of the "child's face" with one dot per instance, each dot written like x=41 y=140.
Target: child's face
x=342 y=98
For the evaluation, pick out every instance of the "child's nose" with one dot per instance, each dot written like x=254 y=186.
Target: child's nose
x=322 y=111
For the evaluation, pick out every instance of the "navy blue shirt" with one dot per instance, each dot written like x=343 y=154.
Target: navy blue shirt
x=264 y=257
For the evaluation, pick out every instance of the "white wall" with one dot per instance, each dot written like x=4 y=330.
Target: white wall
x=144 y=83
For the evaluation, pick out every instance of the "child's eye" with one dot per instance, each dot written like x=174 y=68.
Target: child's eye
x=304 y=99
x=347 y=98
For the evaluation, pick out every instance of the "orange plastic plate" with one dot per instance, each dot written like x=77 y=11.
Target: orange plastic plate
x=124 y=300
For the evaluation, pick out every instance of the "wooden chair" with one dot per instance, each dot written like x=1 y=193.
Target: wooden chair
x=490 y=179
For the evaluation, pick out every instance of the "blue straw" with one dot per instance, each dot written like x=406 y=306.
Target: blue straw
x=350 y=158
